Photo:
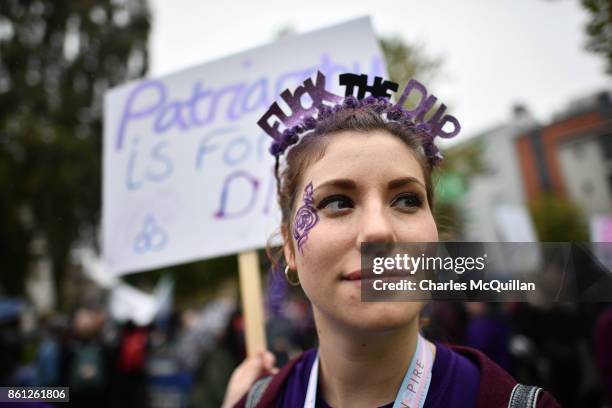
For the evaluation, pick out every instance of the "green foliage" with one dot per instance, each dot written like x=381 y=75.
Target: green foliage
x=405 y=61
x=466 y=159
x=450 y=220
x=558 y=220
x=599 y=28
x=57 y=60
x=462 y=162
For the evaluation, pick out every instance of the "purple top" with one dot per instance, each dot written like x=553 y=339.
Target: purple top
x=455 y=382
x=491 y=335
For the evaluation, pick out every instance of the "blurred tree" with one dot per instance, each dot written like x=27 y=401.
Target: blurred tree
x=599 y=29
x=558 y=220
x=56 y=60
x=452 y=181
x=405 y=61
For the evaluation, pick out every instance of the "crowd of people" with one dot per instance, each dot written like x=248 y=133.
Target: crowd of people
x=186 y=359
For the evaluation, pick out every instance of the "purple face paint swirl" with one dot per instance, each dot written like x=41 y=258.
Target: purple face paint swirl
x=305 y=219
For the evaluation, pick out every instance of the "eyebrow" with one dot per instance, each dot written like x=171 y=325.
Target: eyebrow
x=348 y=184
x=401 y=182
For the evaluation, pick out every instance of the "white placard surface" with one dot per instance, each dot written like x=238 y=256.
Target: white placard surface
x=186 y=170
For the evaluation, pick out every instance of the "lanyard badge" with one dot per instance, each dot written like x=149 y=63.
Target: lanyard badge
x=414 y=388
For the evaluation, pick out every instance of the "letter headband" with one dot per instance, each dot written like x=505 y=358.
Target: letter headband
x=324 y=104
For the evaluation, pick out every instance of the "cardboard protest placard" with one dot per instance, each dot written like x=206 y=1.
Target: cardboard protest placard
x=187 y=174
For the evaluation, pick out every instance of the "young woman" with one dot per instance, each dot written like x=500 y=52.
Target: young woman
x=362 y=172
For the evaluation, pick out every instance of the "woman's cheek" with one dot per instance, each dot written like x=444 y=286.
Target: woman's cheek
x=420 y=229
x=322 y=252
x=313 y=252
x=433 y=228
x=430 y=230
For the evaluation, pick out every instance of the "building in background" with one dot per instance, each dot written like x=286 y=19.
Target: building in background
x=498 y=193
x=569 y=158
x=572 y=157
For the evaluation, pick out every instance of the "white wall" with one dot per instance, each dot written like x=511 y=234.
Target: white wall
x=585 y=174
x=503 y=186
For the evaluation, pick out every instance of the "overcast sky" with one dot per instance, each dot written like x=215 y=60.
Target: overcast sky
x=495 y=53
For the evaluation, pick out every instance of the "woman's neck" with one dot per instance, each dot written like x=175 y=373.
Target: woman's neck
x=360 y=368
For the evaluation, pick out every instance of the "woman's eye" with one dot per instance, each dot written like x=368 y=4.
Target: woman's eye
x=409 y=201
x=335 y=203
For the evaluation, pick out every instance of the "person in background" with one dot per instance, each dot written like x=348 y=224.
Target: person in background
x=602 y=339
x=490 y=332
x=130 y=366
x=51 y=352
x=87 y=362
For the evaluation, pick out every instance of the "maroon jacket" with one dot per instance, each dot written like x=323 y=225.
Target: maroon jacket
x=495 y=383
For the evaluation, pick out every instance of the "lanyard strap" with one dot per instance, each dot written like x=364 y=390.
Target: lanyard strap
x=412 y=392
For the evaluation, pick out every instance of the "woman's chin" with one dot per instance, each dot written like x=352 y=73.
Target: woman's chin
x=344 y=306
x=380 y=316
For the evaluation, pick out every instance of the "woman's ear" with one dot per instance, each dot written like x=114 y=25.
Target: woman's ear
x=288 y=247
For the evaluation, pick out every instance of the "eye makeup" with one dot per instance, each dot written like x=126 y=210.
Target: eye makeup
x=410 y=200
x=341 y=200
x=336 y=203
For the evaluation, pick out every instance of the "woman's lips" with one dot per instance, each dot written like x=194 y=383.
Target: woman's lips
x=356 y=275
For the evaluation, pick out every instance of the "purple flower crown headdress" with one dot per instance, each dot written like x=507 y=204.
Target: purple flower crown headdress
x=324 y=104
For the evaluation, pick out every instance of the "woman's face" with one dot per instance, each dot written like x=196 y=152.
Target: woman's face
x=367 y=187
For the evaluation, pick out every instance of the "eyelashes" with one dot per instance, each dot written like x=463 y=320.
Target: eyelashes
x=339 y=202
x=410 y=199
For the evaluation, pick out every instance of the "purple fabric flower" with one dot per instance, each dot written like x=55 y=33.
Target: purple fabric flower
x=325 y=111
x=289 y=137
x=351 y=102
x=275 y=149
x=432 y=153
x=310 y=123
x=394 y=114
x=369 y=100
x=288 y=133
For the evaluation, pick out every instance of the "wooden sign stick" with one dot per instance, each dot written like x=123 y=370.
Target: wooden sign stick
x=252 y=305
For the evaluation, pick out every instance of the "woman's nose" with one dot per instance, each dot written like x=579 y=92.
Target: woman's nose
x=375 y=226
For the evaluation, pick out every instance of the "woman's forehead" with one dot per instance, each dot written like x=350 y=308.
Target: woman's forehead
x=374 y=157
